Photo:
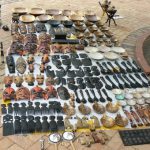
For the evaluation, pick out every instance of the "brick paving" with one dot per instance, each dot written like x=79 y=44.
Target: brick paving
x=136 y=16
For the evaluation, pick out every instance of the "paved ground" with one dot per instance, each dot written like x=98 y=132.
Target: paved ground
x=136 y=15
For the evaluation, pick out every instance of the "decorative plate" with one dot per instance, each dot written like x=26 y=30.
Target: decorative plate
x=123 y=103
x=120 y=97
x=118 y=50
x=129 y=96
x=60 y=18
x=111 y=55
x=137 y=95
x=140 y=101
x=146 y=95
x=104 y=49
x=20 y=10
x=53 y=12
x=147 y=101
x=68 y=12
x=76 y=18
x=117 y=91
x=97 y=56
x=43 y=18
x=37 y=11
x=131 y=102
x=27 y=18
x=91 y=49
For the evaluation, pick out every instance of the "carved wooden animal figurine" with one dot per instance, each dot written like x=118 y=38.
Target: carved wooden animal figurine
x=78 y=125
x=96 y=121
x=67 y=123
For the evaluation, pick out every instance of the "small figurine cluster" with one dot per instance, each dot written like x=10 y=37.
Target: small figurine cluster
x=30 y=44
x=23 y=93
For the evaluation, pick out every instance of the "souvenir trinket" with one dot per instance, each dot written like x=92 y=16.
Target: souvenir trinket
x=50 y=81
x=10 y=64
x=44 y=48
x=96 y=56
x=23 y=93
x=21 y=65
x=40 y=79
x=111 y=55
x=30 y=38
x=9 y=94
x=50 y=92
x=96 y=121
x=8 y=80
x=146 y=95
x=67 y=12
x=22 y=27
x=27 y=18
x=129 y=96
x=117 y=91
x=85 y=110
x=118 y=50
x=120 y=96
x=30 y=48
x=131 y=102
x=42 y=68
x=72 y=100
x=140 y=101
x=63 y=93
x=16 y=48
x=18 y=38
x=129 y=116
x=137 y=117
x=107 y=121
x=86 y=139
x=100 y=109
x=91 y=49
x=44 y=18
x=14 y=28
x=68 y=125
x=69 y=111
x=137 y=95
x=30 y=59
x=92 y=18
x=37 y=11
x=112 y=108
x=121 y=121
x=81 y=123
x=44 y=38
x=45 y=59
x=29 y=78
x=18 y=80
x=31 y=68
x=37 y=93
x=31 y=28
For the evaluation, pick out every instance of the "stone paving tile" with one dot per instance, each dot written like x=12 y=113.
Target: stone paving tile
x=5 y=143
x=22 y=141
x=35 y=146
x=115 y=142
x=15 y=147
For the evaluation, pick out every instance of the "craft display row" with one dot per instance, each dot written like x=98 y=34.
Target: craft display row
x=59 y=76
